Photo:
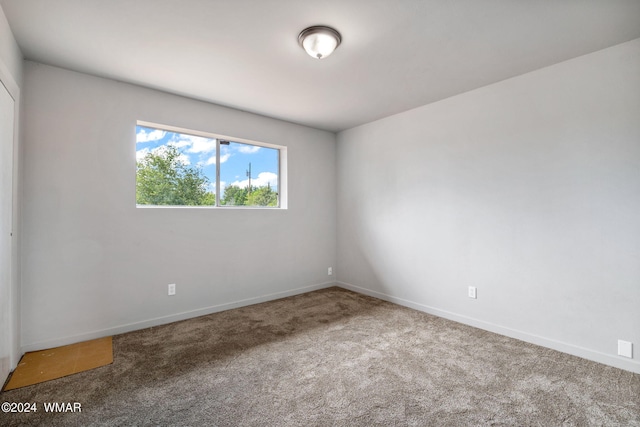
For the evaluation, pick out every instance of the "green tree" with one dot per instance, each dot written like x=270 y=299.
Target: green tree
x=234 y=196
x=262 y=196
x=164 y=179
x=259 y=196
x=209 y=199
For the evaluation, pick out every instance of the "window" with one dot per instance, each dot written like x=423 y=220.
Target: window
x=177 y=167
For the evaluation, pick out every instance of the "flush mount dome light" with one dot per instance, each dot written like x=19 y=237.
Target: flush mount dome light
x=319 y=41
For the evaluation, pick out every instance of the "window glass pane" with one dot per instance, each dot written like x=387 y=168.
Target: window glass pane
x=248 y=175
x=174 y=168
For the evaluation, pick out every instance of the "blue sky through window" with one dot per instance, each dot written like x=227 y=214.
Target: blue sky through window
x=201 y=152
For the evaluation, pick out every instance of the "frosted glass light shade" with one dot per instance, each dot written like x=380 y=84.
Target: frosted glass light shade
x=319 y=42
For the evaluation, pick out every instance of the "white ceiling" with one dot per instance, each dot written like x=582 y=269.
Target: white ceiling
x=395 y=54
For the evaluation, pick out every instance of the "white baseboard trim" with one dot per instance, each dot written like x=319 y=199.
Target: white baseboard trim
x=585 y=353
x=41 y=345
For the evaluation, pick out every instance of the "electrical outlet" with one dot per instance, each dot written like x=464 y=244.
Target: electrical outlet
x=472 y=292
x=330 y=271
x=625 y=348
x=172 y=289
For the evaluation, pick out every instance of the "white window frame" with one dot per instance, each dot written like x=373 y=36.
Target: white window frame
x=282 y=166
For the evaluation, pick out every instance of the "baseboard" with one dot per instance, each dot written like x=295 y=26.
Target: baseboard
x=585 y=353
x=41 y=345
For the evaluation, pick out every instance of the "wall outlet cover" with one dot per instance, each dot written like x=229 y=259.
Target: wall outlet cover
x=625 y=348
x=472 y=292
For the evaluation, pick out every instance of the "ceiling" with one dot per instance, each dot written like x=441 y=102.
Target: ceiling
x=395 y=54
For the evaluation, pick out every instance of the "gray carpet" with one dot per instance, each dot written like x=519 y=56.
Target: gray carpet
x=334 y=358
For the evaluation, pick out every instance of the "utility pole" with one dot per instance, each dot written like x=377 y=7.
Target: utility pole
x=249 y=175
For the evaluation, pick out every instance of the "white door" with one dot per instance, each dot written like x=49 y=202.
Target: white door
x=6 y=209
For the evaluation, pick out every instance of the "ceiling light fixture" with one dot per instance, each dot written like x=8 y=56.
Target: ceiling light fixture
x=319 y=41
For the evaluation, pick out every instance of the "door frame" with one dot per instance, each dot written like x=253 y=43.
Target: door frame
x=7 y=80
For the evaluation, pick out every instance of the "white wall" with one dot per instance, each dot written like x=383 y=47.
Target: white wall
x=528 y=189
x=95 y=265
x=11 y=79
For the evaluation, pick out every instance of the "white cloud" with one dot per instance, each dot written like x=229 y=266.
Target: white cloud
x=202 y=145
x=144 y=136
x=184 y=159
x=248 y=149
x=181 y=143
x=263 y=179
x=212 y=160
x=193 y=144
x=141 y=153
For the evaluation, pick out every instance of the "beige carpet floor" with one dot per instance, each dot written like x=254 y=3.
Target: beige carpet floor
x=333 y=358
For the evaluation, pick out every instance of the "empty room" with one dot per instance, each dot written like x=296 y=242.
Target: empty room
x=329 y=213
